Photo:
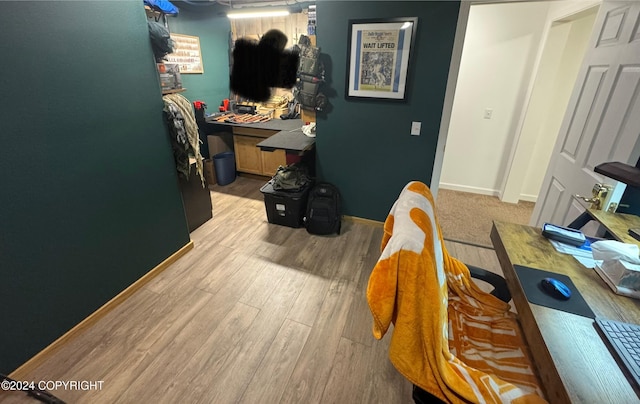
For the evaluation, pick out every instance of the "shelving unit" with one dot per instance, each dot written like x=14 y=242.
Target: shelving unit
x=625 y=173
x=155 y=15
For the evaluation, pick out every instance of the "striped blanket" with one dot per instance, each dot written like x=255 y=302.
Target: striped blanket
x=450 y=338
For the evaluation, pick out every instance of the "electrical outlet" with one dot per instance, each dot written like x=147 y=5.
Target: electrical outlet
x=488 y=112
x=415 y=128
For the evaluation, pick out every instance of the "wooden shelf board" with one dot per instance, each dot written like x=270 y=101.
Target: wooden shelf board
x=622 y=172
x=174 y=91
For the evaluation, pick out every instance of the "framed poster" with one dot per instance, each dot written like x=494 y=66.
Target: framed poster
x=378 y=57
x=186 y=53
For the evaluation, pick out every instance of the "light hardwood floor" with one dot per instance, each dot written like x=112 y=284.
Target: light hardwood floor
x=256 y=312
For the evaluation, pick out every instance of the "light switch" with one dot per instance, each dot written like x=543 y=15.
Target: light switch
x=415 y=128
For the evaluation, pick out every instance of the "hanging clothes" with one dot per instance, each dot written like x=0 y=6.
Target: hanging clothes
x=185 y=139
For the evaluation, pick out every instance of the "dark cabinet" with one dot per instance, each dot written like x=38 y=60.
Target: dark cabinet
x=196 y=199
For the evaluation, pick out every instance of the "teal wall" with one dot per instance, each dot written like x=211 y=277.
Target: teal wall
x=89 y=192
x=88 y=188
x=364 y=146
x=213 y=28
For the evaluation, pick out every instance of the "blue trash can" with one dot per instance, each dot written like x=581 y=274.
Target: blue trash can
x=225 y=165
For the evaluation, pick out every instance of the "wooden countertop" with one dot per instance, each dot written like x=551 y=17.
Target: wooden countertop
x=289 y=136
x=273 y=124
x=293 y=141
x=617 y=224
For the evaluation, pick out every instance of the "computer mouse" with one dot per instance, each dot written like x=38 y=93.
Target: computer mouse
x=555 y=288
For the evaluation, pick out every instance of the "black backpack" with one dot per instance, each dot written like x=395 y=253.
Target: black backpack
x=323 y=214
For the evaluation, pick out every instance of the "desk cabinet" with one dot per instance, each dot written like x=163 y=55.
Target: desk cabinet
x=249 y=157
x=247 y=154
x=272 y=160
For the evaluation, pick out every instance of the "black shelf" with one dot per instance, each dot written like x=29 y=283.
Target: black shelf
x=622 y=172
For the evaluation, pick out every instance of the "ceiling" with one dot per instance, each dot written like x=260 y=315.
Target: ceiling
x=256 y=3
x=238 y=4
x=223 y=6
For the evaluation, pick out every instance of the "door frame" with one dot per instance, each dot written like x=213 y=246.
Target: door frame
x=454 y=70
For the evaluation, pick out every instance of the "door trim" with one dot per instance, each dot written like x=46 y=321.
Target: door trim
x=452 y=81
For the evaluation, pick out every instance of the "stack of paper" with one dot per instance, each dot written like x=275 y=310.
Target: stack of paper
x=582 y=254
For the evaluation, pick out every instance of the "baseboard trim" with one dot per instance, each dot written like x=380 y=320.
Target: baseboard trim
x=484 y=191
x=466 y=188
x=363 y=220
x=29 y=366
x=529 y=198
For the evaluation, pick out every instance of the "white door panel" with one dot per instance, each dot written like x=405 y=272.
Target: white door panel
x=602 y=121
x=575 y=209
x=554 y=192
x=611 y=32
x=588 y=94
x=624 y=115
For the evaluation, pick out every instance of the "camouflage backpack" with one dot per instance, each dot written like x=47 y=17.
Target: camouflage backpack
x=310 y=77
x=292 y=177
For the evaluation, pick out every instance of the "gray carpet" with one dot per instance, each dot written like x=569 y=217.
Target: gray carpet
x=468 y=217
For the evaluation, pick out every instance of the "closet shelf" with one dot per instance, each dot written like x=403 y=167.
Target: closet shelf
x=626 y=173
x=173 y=91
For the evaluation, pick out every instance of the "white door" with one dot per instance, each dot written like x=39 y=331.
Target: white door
x=602 y=121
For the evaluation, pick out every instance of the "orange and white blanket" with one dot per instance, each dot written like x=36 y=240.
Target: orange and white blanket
x=450 y=338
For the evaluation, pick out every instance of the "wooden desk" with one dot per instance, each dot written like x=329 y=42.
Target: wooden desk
x=261 y=147
x=617 y=224
x=572 y=361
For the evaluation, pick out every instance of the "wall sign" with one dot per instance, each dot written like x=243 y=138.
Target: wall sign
x=186 y=53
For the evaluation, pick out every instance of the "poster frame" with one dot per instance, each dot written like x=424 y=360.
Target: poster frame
x=389 y=79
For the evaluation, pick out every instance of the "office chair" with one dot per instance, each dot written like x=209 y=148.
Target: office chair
x=452 y=340
x=501 y=291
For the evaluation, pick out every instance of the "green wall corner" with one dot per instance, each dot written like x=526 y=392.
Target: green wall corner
x=90 y=198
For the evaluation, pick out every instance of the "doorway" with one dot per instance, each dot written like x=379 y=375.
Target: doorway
x=561 y=57
x=512 y=89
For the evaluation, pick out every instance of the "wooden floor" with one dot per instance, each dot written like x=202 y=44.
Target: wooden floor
x=256 y=312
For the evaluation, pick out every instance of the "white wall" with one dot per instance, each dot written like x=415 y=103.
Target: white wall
x=293 y=25
x=537 y=137
x=508 y=157
x=545 y=124
x=500 y=48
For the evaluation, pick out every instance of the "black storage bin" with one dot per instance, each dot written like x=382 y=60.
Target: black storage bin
x=283 y=207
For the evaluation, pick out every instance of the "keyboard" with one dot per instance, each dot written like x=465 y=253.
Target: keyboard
x=624 y=338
